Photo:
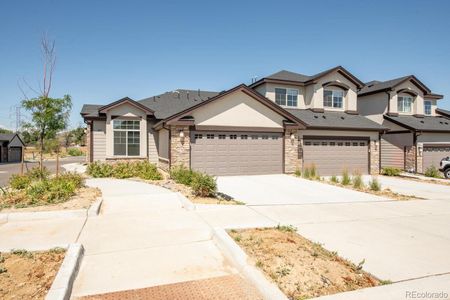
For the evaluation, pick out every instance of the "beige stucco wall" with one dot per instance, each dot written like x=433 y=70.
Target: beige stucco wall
x=128 y=112
x=417 y=101
x=373 y=135
x=350 y=96
x=163 y=143
x=237 y=109
x=99 y=140
x=373 y=106
x=268 y=90
x=399 y=139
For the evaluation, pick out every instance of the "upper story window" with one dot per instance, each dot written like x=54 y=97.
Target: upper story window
x=126 y=137
x=333 y=98
x=427 y=107
x=404 y=104
x=286 y=97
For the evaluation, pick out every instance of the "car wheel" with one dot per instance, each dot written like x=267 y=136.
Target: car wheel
x=447 y=173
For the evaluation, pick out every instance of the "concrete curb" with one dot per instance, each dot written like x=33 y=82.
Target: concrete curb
x=185 y=203
x=238 y=257
x=94 y=210
x=61 y=288
x=41 y=215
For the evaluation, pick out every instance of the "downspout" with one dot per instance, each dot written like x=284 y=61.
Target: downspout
x=169 y=145
x=416 y=149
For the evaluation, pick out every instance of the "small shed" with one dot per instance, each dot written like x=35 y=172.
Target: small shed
x=11 y=147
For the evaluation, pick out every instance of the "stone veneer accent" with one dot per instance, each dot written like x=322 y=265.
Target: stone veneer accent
x=292 y=158
x=179 y=148
x=420 y=159
x=374 y=157
x=410 y=159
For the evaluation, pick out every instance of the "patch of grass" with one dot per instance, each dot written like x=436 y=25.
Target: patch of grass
x=385 y=282
x=346 y=180
x=374 y=185
x=57 y=250
x=238 y=238
x=391 y=171
x=306 y=173
x=75 y=152
x=124 y=169
x=286 y=228
x=313 y=172
x=298 y=173
x=433 y=172
x=22 y=253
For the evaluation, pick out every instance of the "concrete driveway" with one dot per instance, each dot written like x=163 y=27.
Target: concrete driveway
x=285 y=189
x=414 y=187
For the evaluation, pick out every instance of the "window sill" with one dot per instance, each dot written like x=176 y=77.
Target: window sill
x=125 y=157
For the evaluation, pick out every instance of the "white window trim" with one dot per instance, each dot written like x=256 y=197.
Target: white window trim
x=401 y=99
x=332 y=99
x=126 y=137
x=424 y=107
x=288 y=90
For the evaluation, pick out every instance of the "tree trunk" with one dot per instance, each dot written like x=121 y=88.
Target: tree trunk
x=41 y=159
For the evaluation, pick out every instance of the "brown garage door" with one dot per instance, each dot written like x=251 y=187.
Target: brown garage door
x=15 y=154
x=392 y=155
x=236 y=153
x=432 y=155
x=332 y=157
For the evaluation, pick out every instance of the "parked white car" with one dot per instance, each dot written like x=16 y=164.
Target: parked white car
x=445 y=167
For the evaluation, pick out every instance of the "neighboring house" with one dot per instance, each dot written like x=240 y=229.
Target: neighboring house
x=281 y=123
x=418 y=135
x=11 y=147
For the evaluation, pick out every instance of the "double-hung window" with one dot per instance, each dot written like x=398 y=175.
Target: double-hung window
x=286 y=97
x=404 y=104
x=333 y=98
x=126 y=137
x=427 y=107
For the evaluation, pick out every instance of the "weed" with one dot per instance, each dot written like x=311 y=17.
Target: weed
x=306 y=173
x=57 y=250
x=259 y=264
x=233 y=231
x=375 y=185
x=203 y=185
x=19 y=182
x=346 y=180
x=3 y=270
x=286 y=228
x=357 y=181
x=360 y=265
x=238 y=238
x=433 y=172
x=391 y=171
x=22 y=253
x=313 y=172
x=75 y=152
x=298 y=173
x=283 y=271
x=385 y=282
x=334 y=179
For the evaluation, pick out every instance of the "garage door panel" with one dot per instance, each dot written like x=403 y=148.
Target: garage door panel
x=332 y=157
x=392 y=155
x=248 y=153
x=432 y=155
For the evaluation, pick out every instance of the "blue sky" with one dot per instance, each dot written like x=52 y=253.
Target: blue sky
x=110 y=49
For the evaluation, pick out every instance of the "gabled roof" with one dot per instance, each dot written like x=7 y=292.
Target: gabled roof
x=335 y=120
x=8 y=137
x=426 y=124
x=170 y=103
x=125 y=100
x=300 y=79
x=443 y=112
x=245 y=89
x=381 y=86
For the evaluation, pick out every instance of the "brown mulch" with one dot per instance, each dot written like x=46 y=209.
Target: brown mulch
x=301 y=269
x=28 y=275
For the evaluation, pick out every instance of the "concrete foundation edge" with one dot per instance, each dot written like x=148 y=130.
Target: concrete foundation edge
x=239 y=259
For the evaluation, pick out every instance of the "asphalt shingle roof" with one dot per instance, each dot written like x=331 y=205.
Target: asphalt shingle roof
x=6 y=136
x=376 y=85
x=170 y=103
x=90 y=110
x=291 y=76
x=427 y=123
x=335 y=119
x=443 y=112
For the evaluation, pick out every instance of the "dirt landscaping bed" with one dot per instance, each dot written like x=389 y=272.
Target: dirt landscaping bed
x=301 y=269
x=28 y=275
x=82 y=199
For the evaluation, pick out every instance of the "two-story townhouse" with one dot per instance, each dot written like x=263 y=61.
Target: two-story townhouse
x=418 y=135
x=281 y=123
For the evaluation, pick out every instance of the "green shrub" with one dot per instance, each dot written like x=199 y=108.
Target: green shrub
x=334 y=179
x=203 y=185
x=357 y=181
x=75 y=152
x=346 y=180
x=391 y=171
x=182 y=175
x=36 y=173
x=147 y=170
x=298 y=173
x=99 y=170
x=432 y=171
x=123 y=170
x=375 y=185
x=19 y=182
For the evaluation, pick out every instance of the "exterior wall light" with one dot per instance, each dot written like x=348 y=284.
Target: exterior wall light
x=182 y=136
x=292 y=137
